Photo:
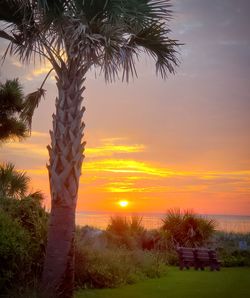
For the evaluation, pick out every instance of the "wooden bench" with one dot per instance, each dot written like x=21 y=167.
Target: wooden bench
x=199 y=258
x=186 y=257
x=206 y=257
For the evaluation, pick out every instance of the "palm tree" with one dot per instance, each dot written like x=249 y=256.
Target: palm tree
x=74 y=36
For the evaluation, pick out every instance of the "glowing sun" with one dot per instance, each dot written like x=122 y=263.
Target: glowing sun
x=123 y=203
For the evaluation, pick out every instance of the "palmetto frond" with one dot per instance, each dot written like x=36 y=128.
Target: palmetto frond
x=12 y=183
x=19 y=26
x=11 y=106
x=11 y=97
x=31 y=102
x=109 y=34
x=154 y=41
x=37 y=196
x=12 y=128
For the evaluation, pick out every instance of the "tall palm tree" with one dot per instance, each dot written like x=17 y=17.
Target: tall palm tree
x=74 y=36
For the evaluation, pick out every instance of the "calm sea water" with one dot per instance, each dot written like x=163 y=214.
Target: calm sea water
x=227 y=223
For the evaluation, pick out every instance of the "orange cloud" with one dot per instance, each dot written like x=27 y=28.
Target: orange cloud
x=27 y=148
x=126 y=166
x=109 y=150
x=106 y=149
x=38 y=71
x=38 y=171
x=39 y=134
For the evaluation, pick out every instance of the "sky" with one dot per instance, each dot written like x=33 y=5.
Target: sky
x=176 y=143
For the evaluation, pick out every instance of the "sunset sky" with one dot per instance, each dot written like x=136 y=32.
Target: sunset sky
x=183 y=142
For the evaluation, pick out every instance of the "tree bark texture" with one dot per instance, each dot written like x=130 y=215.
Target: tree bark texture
x=66 y=156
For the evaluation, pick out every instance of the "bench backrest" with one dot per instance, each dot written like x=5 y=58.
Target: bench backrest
x=198 y=257
x=202 y=254
x=186 y=253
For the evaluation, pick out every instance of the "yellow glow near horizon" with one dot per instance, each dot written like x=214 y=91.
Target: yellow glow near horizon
x=127 y=166
x=109 y=150
x=123 y=203
x=115 y=176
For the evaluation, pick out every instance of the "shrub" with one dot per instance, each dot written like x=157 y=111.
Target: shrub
x=101 y=269
x=109 y=268
x=156 y=239
x=170 y=257
x=230 y=241
x=34 y=219
x=235 y=258
x=92 y=237
x=149 y=263
x=28 y=218
x=227 y=245
x=14 y=252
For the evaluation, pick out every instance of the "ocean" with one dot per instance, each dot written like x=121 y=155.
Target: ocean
x=226 y=223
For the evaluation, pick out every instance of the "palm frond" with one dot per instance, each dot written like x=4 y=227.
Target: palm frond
x=154 y=40
x=109 y=34
x=7 y=36
x=31 y=102
x=37 y=195
x=120 y=51
x=135 y=11
x=12 y=183
x=109 y=56
x=136 y=225
x=14 y=11
x=118 y=225
x=11 y=96
x=12 y=128
x=128 y=56
x=11 y=105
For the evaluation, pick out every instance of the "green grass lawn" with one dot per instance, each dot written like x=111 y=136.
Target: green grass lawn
x=228 y=283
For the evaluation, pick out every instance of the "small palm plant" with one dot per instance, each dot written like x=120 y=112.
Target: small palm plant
x=118 y=225
x=136 y=225
x=125 y=231
x=187 y=228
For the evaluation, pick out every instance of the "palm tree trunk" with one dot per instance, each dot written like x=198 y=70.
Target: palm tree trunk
x=66 y=156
